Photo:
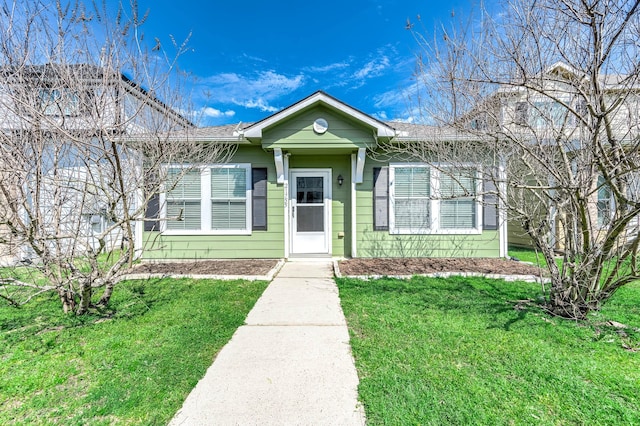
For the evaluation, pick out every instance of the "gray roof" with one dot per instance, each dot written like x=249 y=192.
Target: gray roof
x=69 y=73
x=227 y=131
x=404 y=132
x=425 y=132
x=411 y=129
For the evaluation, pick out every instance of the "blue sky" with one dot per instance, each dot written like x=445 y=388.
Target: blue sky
x=253 y=58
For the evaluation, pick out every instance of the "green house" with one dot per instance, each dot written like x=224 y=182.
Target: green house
x=315 y=180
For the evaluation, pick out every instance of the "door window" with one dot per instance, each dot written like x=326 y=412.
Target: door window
x=310 y=201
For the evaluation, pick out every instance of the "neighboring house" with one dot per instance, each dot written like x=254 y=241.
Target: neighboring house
x=315 y=180
x=542 y=114
x=41 y=106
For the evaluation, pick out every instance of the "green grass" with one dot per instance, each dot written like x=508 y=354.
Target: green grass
x=458 y=351
x=134 y=364
x=527 y=255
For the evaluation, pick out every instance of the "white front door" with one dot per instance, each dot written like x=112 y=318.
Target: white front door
x=310 y=211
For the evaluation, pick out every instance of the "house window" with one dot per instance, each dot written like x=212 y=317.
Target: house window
x=540 y=114
x=184 y=204
x=59 y=102
x=410 y=199
x=213 y=199
x=427 y=199
x=604 y=202
x=458 y=200
x=229 y=198
x=546 y=113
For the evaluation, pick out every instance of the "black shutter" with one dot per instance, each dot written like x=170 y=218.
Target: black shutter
x=259 y=199
x=153 y=212
x=489 y=205
x=522 y=113
x=381 y=198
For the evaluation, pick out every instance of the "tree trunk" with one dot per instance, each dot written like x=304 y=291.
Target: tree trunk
x=85 y=297
x=67 y=300
x=106 y=294
x=574 y=298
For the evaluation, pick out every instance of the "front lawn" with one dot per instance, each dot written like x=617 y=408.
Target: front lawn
x=134 y=364
x=473 y=351
x=527 y=255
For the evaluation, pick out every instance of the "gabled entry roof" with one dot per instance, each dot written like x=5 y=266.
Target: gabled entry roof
x=319 y=98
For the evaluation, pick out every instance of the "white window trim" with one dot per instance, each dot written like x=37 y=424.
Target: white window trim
x=434 y=207
x=205 y=202
x=393 y=229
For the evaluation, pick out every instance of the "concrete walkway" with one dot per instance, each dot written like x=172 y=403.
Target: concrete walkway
x=290 y=364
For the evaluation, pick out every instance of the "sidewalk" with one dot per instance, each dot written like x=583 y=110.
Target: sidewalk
x=290 y=364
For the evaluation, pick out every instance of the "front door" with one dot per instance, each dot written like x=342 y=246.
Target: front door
x=310 y=210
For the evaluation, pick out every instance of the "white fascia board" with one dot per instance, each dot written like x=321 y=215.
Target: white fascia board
x=382 y=129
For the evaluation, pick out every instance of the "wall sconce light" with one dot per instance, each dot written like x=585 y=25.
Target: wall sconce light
x=340 y=180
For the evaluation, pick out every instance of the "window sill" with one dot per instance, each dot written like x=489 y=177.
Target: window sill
x=175 y=232
x=474 y=231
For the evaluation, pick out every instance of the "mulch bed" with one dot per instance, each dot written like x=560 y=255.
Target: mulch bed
x=411 y=266
x=349 y=267
x=209 y=267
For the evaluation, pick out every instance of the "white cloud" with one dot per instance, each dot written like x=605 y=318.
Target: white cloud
x=373 y=68
x=253 y=58
x=409 y=119
x=259 y=103
x=404 y=104
x=216 y=113
x=326 y=68
x=380 y=115
x=251 y=91
x=391 y=98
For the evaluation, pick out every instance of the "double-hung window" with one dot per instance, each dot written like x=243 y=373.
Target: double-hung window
x=211 y=200
x=410 y=194
x=458 y=203
x=184 y=199
x=432 y=200
x=230 y=194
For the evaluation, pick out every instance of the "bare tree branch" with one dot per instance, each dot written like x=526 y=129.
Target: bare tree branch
x=88 y=124
x=551 y=88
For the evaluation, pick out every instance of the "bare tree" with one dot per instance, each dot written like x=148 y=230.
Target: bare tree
x=546 y=93
x=83 y=147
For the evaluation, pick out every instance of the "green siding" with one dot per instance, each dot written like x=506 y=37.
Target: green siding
x=372 y=243
x=340 y=211
x=309 y=150
x=260 y=244
x=296 y=134
x=517 y=236
x=270 y=243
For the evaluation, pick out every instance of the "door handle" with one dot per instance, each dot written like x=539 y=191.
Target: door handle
x=293 y=212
